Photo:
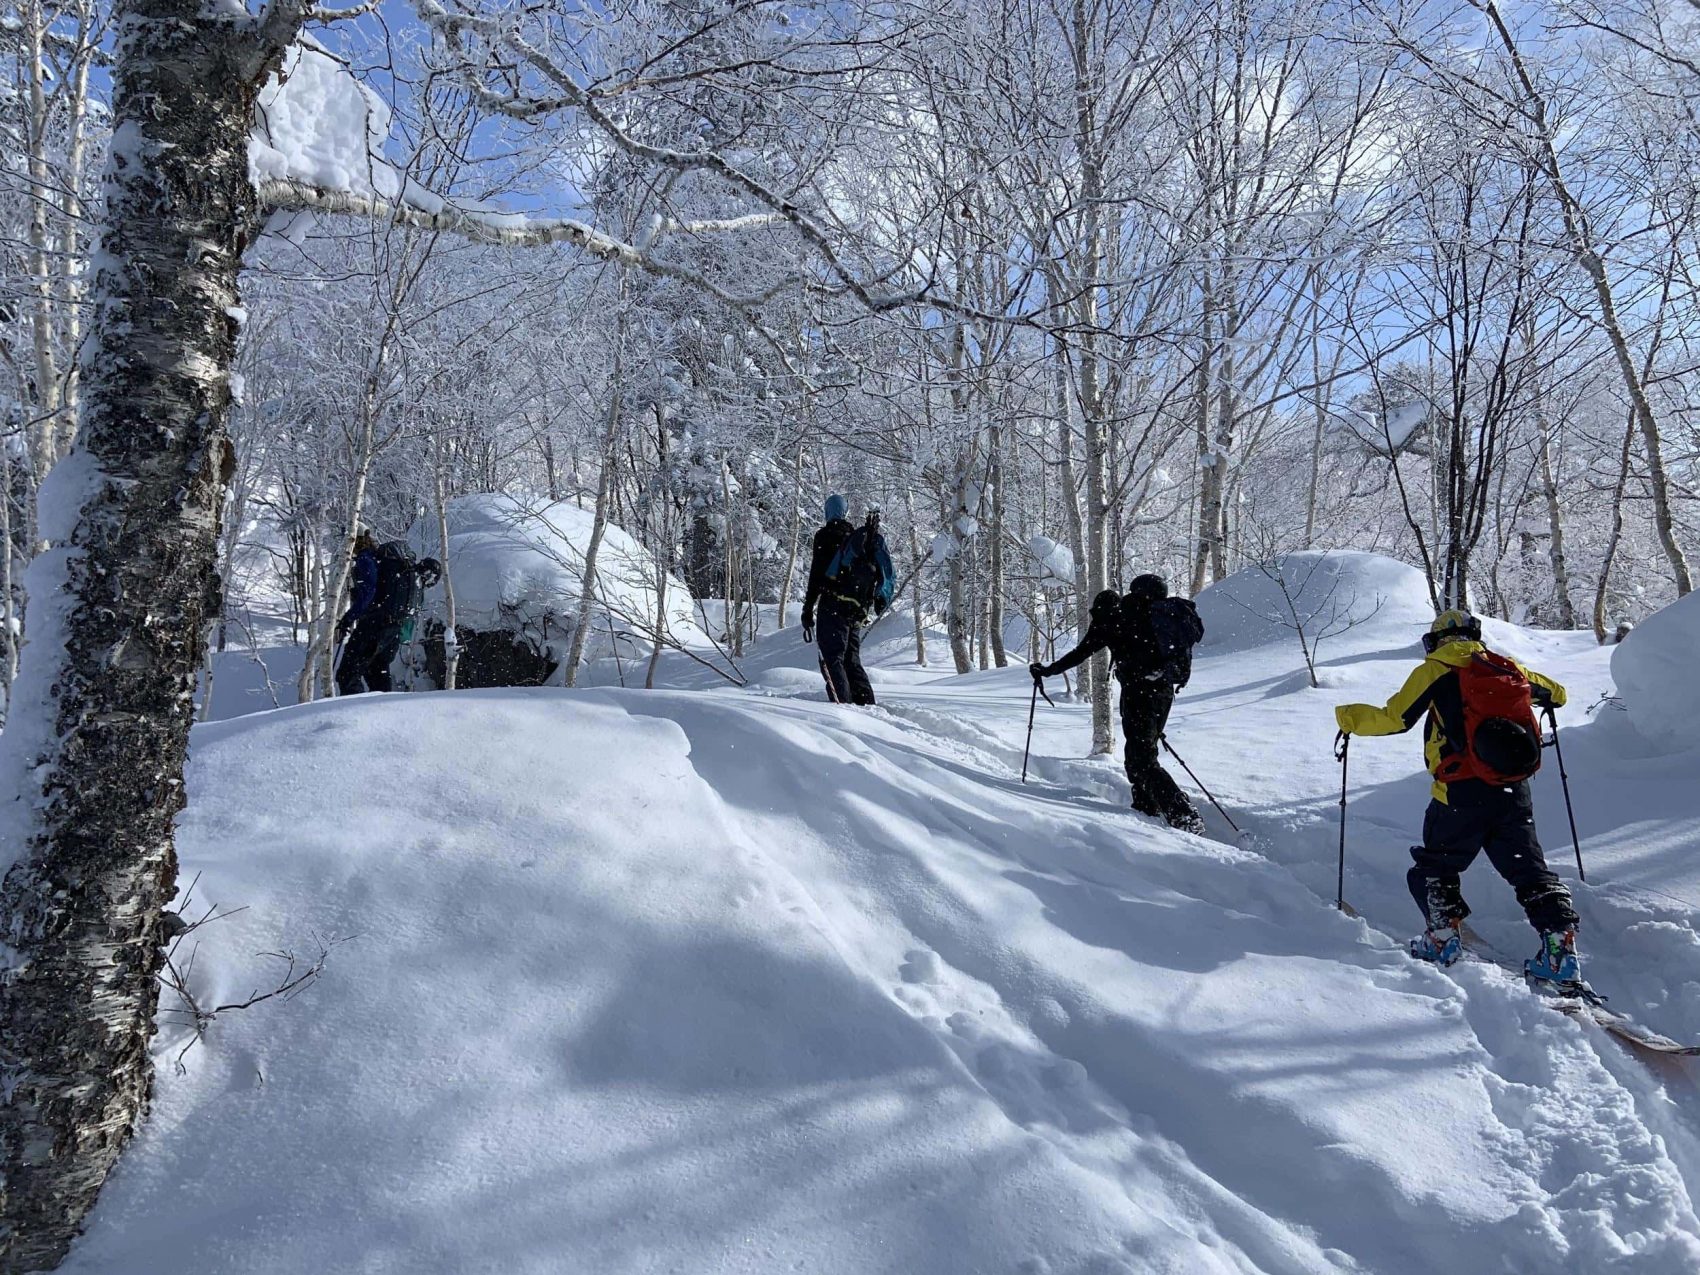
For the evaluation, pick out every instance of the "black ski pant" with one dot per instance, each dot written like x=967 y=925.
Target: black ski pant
x=366 y=657
x=1145 y=714
x=1480 y=816
x=838 y=635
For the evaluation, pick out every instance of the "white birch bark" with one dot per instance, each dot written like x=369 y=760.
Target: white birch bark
x=104 y=699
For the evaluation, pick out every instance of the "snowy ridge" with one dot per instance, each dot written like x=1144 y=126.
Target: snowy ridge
x=738 y=981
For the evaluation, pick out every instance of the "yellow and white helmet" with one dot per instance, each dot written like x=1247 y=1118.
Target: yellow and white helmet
x=1452 y=626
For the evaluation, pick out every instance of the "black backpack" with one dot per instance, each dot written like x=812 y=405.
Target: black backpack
x=399 y=594
x=1177 y=628
x=857 y=574
x=828 y=541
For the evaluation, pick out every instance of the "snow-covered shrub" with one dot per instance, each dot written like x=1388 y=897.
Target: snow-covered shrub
x=1655 y=673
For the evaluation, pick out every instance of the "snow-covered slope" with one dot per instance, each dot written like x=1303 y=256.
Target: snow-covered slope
x=739 y=981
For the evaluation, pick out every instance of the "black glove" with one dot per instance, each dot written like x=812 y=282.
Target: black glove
x=808 y=626
x=1039 y=671
x=880 y=604
x=430 y=571
x=342 y=627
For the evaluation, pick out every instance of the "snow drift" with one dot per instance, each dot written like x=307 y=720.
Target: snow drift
x=520 y=568
x=715 y=982
x=1655 y=671
x=1339 y=596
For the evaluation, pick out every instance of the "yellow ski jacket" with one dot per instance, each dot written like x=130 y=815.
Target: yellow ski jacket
x=1432 y=690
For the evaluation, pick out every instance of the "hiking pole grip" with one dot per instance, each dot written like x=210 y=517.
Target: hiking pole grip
x=1342 y=743
x=1564 y=782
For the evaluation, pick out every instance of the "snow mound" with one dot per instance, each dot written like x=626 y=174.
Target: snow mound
x=1654 y=671
x=520 y=567
x=1338 y=596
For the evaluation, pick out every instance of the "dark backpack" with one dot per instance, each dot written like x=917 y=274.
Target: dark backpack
x=1177 y=629
x=828 y=541
x=855 y=573
x=398 y=595
x=1502 y=739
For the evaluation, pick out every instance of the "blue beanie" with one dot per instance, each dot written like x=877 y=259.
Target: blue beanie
x=835 y=507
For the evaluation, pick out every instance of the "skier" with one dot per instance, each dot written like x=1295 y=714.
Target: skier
x=384 y=599
x=857 y=578
x=1150 y=637
x=1482 y=746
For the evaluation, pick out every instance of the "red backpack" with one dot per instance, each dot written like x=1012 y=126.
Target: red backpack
x=1502 y=739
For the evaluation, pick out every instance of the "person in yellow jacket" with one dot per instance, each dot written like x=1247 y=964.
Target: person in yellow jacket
x=1467 y=814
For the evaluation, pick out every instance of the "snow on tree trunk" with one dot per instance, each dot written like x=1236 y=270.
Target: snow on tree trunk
x=103 y=703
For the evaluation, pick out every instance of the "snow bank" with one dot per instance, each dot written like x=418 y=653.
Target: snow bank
x=1657 y=675
x=629 y=996
x=1339 y=596
x=520 y=567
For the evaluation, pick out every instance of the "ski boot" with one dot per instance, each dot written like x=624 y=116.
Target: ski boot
x=1440 y=944
x=1556 y=962
x=1187 y=821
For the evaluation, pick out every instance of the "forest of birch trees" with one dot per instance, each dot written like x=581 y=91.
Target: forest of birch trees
x=1176 y=287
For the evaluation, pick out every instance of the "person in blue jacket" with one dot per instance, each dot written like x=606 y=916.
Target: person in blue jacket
x=384 y=595
x=859 y=579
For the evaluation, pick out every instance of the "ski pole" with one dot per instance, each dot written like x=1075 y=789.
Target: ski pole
x=1195 y=779
x=336 y=661
x=1342 y=743
x=1033 y=708
x=1564 y=780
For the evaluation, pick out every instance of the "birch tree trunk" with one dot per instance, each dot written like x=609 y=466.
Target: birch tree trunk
x=104 y=701
x=45 y=429
x=451 y=634
x=604 y=484
x=786 y=581
x=915 y=579
x=1555 y=526
x=995 y=586
x=1602 y=590
x=8 y=606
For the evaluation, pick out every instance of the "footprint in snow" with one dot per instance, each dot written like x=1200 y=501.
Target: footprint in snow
x=920 y=966
x=1063 y=1075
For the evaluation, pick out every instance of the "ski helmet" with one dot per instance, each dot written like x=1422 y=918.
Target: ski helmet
x=1148 y=589
x=1452 y=626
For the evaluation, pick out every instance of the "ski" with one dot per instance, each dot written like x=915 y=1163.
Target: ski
x=1579 y=1001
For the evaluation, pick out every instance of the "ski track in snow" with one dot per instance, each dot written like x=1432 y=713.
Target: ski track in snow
x=676 y=980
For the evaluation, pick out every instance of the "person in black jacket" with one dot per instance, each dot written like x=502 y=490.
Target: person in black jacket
x=384 y=598
x=849 y=575
x=1150 y=667
x=828 y=541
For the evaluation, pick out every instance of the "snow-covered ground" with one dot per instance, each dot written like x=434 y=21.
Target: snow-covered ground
x=712 y=979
